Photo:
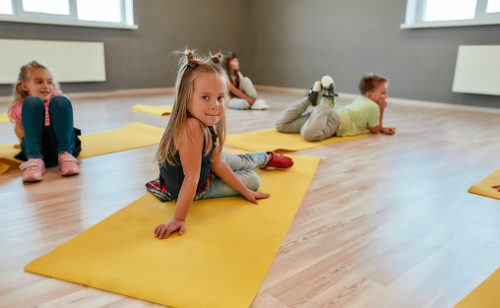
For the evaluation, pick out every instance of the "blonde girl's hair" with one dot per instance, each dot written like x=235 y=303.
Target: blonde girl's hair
x=24 y=76
x=190 y=67
x=370 y=82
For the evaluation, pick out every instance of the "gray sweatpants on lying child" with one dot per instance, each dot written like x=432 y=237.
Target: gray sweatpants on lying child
x=320 y=123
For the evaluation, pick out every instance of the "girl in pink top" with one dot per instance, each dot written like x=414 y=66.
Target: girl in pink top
x=43 y=122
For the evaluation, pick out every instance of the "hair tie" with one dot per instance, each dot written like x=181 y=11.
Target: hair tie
x=217 y=59
x=191 y=61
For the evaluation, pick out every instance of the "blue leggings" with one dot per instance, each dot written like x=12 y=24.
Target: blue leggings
x=47 y=142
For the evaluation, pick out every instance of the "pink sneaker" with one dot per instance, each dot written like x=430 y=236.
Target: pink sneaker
x=68 y=164
x=33 y=170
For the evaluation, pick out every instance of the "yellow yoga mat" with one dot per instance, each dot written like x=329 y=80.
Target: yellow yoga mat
x=154 y=109
x=272 y=140
x=4 y=118
x=483 y=188
x=220 y=261
x=131 y=136
x=4 y=167
x=486 y=295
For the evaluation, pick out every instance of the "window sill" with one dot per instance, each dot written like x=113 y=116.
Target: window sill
x=446 y=24
x=69 y=23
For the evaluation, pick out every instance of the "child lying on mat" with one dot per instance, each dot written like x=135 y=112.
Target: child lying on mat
x=192 y=165
x=364 y=115
x=241 y=89
x=43 y=122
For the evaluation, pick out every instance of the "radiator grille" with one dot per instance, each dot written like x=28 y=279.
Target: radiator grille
x=69 y=61
x=478 y=70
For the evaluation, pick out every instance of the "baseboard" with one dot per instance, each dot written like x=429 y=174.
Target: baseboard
x=395 y=101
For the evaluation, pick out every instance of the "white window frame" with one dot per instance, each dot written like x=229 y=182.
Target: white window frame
x=415 y=17
x=21 y=16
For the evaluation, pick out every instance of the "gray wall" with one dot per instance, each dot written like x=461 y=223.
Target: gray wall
x=142 y=58
x=295 y=42
x=287 y=43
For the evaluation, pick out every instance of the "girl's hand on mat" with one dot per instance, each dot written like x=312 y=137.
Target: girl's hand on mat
x=496 y=187
x=164 y=230
x=252 y=196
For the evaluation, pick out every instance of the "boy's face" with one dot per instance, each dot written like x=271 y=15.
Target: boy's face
x=378 y=94
x=39 y=84
x=207 y=99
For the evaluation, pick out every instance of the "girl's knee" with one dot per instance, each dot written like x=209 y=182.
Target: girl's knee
x=252 y=181
x=246 y=81
x=31 y=101
x=59 y=102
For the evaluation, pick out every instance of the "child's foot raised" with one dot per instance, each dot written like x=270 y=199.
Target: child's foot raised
x=313 y=93
x=278 y=160
x=68 y=164
x=328 y=88
x=33 y=170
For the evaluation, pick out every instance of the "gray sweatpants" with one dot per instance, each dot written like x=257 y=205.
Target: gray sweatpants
x=320 y=123
x=247 y=87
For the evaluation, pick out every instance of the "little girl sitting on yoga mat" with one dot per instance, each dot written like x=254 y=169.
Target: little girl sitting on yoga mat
x=43 y=122
x=192 y=164
x=241 y=89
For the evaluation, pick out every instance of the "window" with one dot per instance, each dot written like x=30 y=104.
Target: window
x=59 y=7
x=91 y=13
x=493 y=6
x=5 y=7
x=451 y=13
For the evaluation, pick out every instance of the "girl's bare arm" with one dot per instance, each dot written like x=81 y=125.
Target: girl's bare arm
x=190 y=152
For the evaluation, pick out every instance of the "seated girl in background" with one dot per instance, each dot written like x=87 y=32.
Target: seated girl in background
x=241 y=89
x=364 y=115
x=43 y=122
x=192 y=164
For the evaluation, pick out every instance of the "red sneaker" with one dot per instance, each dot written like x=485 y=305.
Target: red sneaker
x=278 y=160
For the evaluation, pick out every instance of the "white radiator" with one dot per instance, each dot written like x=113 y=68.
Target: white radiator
x=68 y=61
x=478 y=70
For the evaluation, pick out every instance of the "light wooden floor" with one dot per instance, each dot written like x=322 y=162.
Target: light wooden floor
x=387 y=220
